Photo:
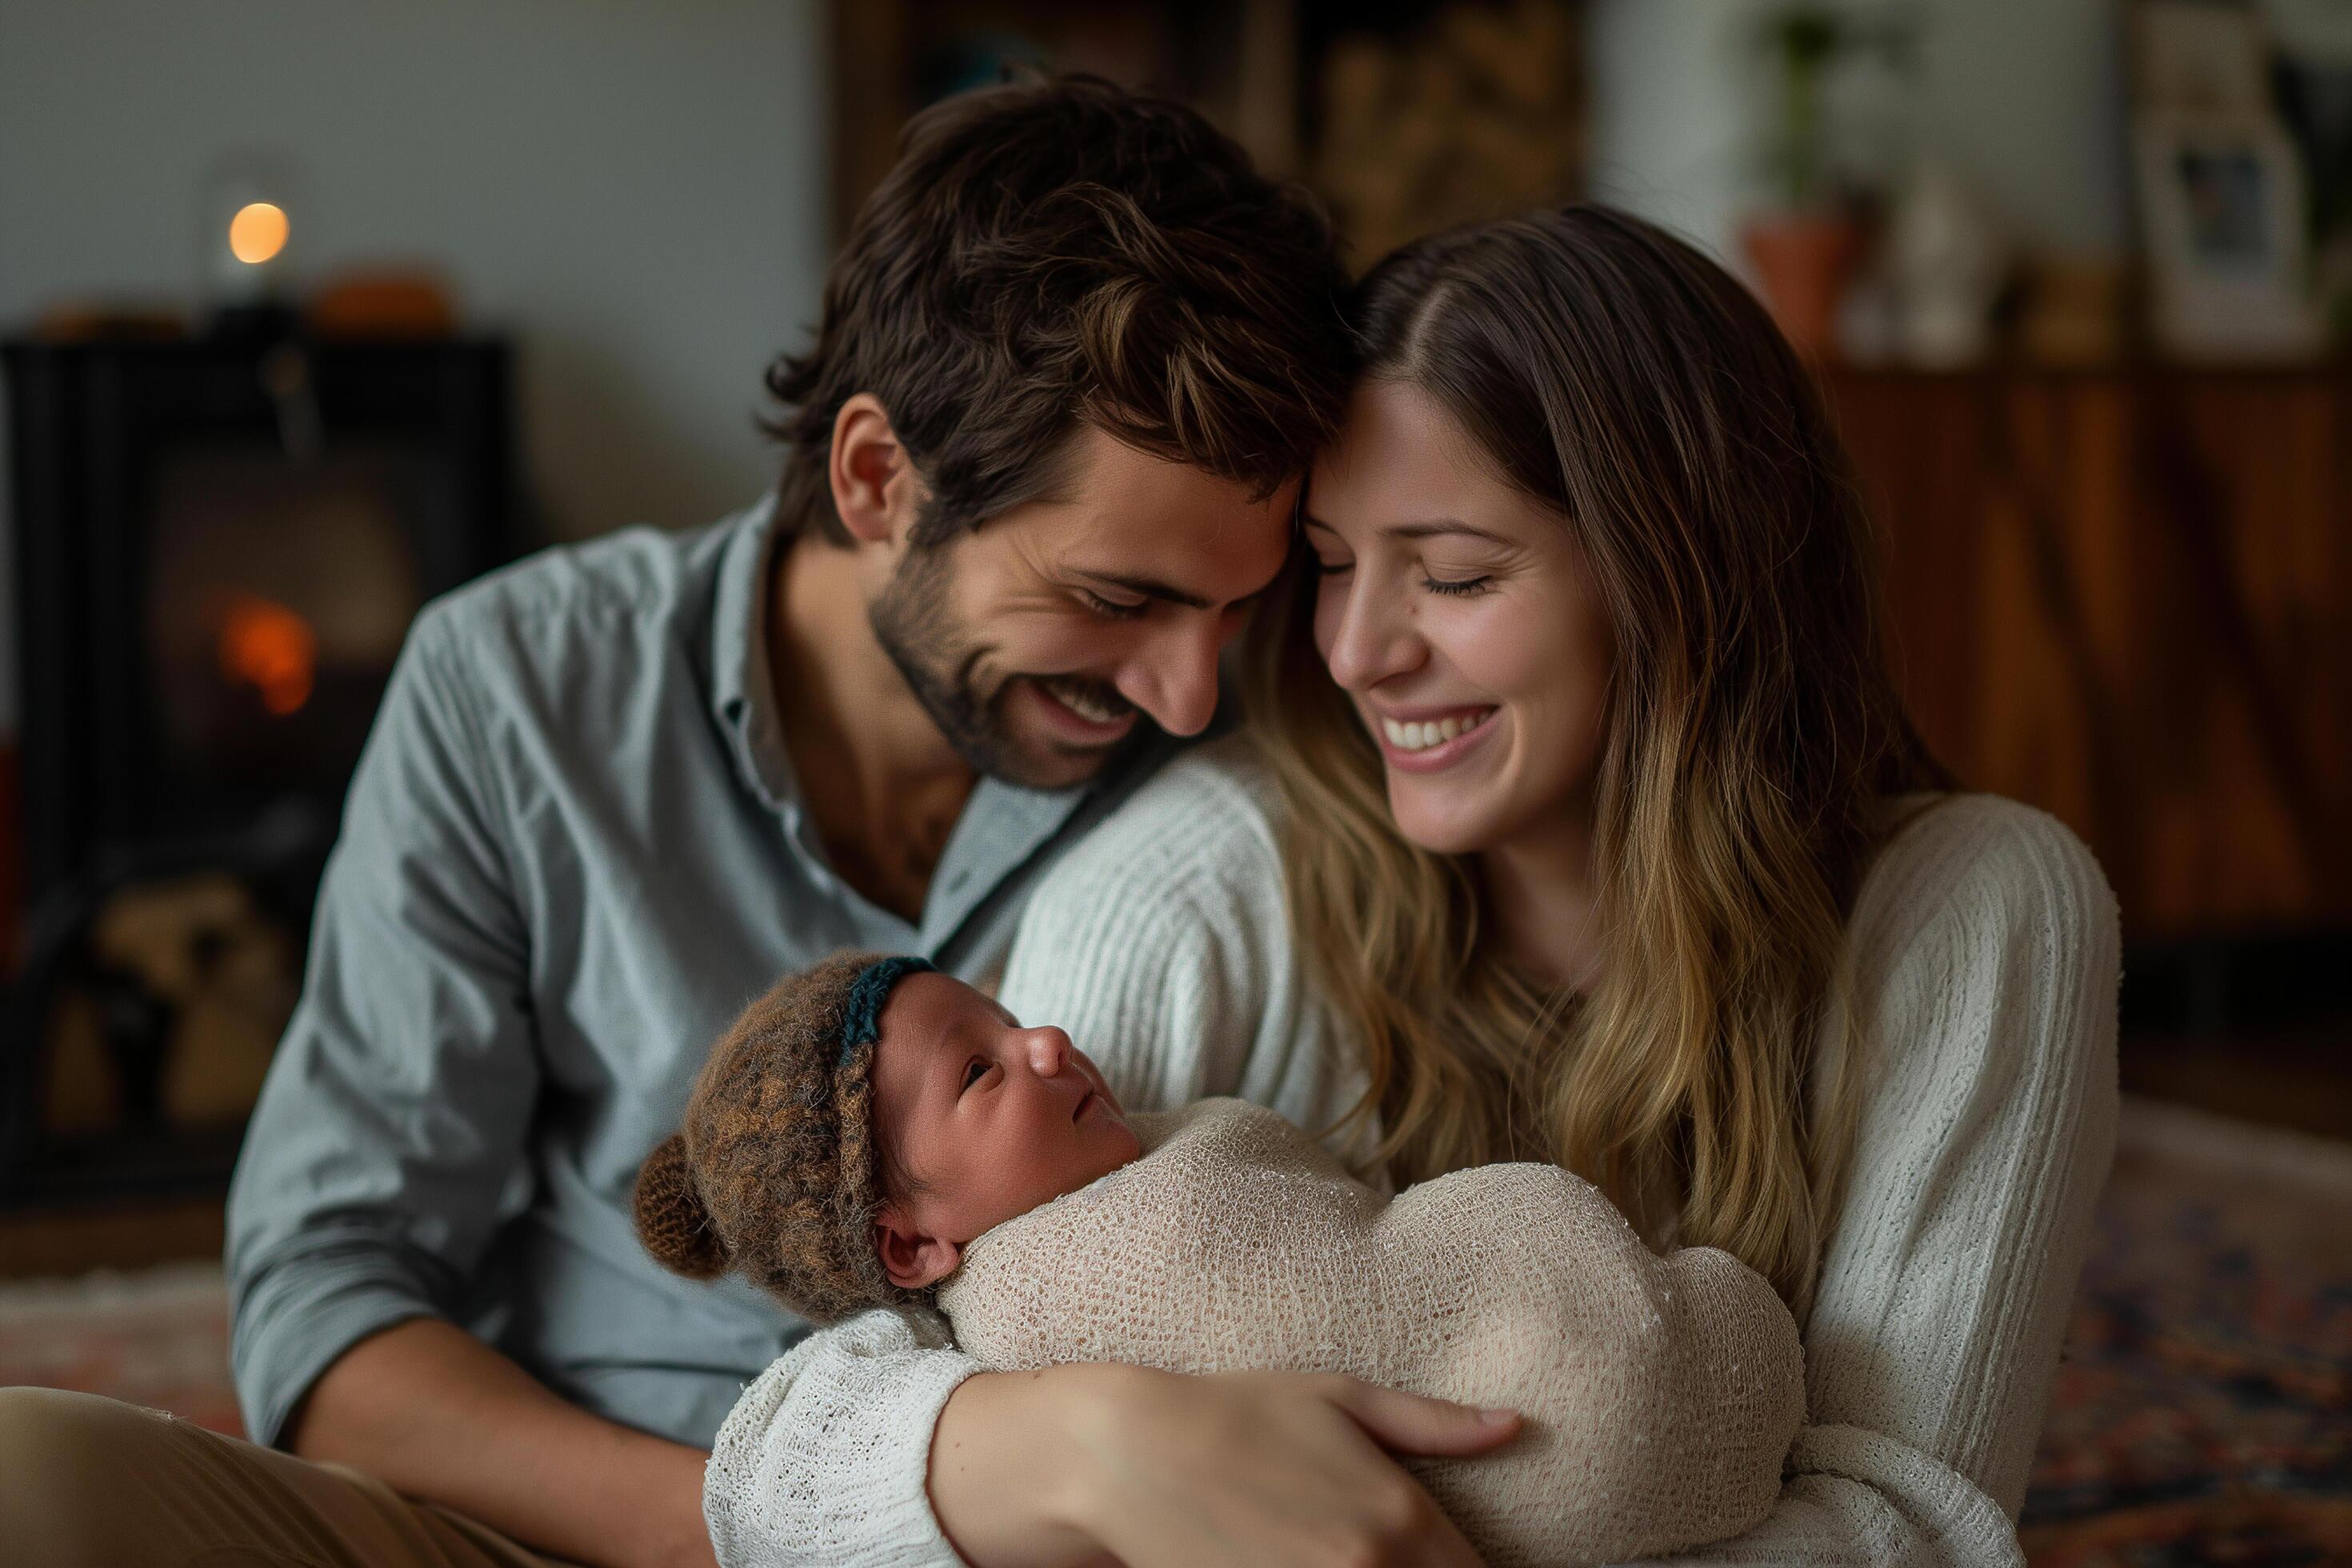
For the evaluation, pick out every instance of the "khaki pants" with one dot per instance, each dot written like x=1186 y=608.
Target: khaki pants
x=86 y=1482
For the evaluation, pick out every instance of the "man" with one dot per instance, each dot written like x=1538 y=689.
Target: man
x=1039 y=460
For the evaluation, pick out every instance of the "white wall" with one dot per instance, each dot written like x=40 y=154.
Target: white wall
x=2024 y=97
x=633 y=189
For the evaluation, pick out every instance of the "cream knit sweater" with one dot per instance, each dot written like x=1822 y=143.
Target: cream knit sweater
x=1985 y=963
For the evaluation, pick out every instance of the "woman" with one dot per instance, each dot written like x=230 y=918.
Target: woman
x=1603 y=839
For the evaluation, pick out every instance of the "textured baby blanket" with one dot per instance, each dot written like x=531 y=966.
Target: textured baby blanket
x=1237 y=1243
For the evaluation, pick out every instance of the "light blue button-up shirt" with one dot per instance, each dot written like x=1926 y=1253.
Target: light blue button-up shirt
x=573 y=850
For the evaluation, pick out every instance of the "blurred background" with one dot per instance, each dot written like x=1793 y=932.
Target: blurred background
x=314 y=309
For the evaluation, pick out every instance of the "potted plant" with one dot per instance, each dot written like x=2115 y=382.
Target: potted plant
x=1804 y=247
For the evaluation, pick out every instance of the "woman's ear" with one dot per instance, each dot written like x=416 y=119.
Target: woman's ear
x=910 y=1258
x=876 y=491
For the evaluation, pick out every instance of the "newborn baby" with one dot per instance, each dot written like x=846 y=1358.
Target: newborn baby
x=874 y=1133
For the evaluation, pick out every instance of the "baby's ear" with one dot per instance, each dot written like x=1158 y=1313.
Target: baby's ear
x=910 y=1258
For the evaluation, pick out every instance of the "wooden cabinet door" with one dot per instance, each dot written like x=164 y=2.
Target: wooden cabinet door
x=2126 y=597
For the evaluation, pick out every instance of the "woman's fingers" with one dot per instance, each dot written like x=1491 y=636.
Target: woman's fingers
x=1273 y=1470
x=1413 y=1424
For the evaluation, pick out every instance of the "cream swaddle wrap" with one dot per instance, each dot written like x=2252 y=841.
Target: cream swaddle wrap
x=1237 y=1243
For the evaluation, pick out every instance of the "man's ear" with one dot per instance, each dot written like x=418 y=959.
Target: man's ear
x=910 y=1258
x=875 y=490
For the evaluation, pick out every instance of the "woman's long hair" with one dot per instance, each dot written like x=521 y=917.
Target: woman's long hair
x=1753 y=737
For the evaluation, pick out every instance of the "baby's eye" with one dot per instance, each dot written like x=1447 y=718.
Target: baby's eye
x=974 y=1073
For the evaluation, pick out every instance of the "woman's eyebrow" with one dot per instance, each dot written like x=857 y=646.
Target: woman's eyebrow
x=1432 y=527
x=1427 y=528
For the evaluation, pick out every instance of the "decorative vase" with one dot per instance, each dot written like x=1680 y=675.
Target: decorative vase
x=1947 y=260
x=1803 y=262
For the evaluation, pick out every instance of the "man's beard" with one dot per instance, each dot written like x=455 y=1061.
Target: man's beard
x=939 y=661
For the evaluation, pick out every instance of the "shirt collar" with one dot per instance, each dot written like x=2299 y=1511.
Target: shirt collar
x=743 y=687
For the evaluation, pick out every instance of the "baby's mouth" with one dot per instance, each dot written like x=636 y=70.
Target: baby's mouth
x=1084 y=1100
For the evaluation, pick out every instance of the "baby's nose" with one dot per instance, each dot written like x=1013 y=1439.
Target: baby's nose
x=1049 y=1051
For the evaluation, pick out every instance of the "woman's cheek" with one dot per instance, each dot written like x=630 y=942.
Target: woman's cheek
x=1503 y=643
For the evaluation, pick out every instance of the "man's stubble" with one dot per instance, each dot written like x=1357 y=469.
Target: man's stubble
x=939 y=659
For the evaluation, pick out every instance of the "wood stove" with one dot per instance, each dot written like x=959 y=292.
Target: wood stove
x=220 y=543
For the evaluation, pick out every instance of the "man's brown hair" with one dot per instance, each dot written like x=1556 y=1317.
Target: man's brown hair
x=1051 y=254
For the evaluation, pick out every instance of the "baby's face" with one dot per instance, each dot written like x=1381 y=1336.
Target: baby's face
x=989 y=1119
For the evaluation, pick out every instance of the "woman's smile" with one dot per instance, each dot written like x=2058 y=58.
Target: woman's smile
x=1428 y=741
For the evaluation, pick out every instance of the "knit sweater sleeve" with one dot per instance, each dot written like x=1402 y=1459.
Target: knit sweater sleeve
x=1160 y=942
x=1986 y=960
x=825 y=1458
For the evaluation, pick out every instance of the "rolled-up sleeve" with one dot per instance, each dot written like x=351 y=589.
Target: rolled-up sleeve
x=386 y=1147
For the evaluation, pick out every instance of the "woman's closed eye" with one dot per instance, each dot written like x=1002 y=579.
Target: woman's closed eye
x=1457 y=585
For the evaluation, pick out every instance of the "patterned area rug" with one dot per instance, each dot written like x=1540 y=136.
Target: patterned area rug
x=157 y=1337
x=2203 y=1415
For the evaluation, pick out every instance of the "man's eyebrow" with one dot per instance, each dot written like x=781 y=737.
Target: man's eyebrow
x=1427 y=528
x=1148 y=589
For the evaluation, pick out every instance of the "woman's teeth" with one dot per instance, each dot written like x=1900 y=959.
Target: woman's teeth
x=1421 y=737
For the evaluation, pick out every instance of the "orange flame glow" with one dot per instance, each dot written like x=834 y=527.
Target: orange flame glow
x=258 y=232
x=269 y=648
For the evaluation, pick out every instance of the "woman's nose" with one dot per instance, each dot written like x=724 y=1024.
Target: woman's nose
x=1049 y=1051
x=1369 y=637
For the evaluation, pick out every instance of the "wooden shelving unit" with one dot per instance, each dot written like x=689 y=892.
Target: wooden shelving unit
x=1235 y=59
x=1405 y=115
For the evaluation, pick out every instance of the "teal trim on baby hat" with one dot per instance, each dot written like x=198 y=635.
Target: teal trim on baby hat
x=861 y=1012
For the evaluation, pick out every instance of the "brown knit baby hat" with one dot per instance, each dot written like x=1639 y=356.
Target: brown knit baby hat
x=774 y=1175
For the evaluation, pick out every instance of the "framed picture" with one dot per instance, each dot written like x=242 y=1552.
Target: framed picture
x=2228 y=258
x=2198 y=57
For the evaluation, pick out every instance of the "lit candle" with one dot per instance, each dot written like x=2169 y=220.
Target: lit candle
x=248 y=233
x=257 y=233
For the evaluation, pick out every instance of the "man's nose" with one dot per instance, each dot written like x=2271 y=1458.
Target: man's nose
x=1049 y=1051
x=1173 y=678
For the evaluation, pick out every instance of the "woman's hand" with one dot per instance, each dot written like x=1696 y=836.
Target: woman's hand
x=1284 y=1470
